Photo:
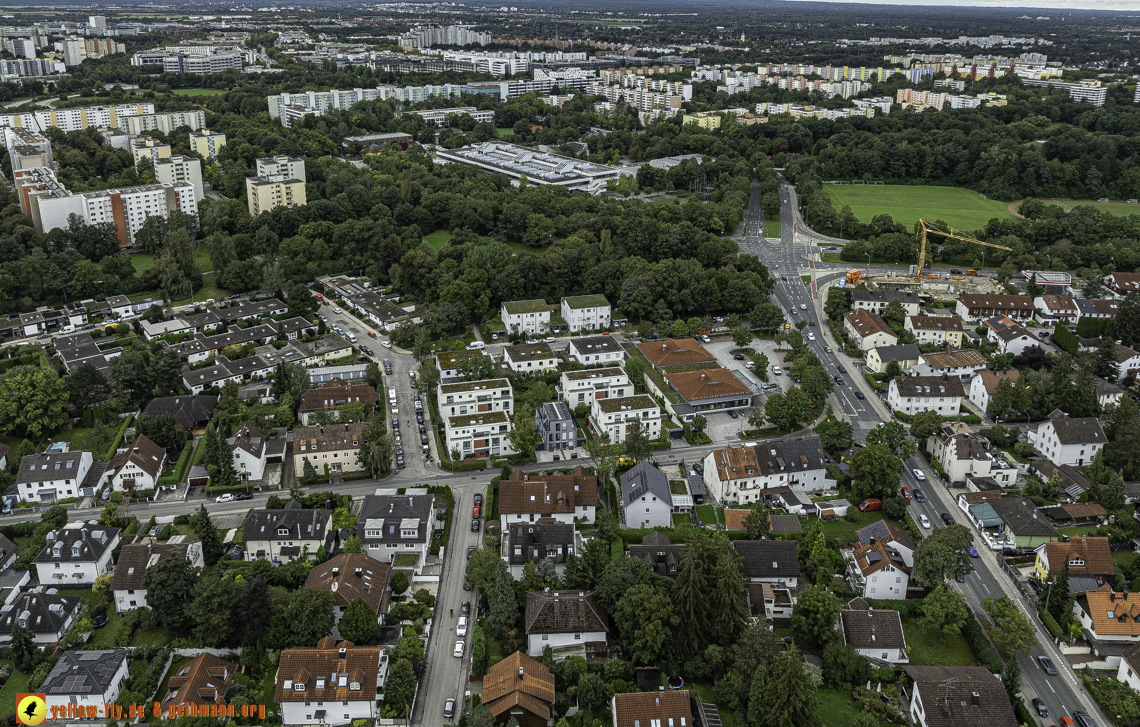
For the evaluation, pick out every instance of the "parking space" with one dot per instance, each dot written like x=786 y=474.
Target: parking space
x=723 y=351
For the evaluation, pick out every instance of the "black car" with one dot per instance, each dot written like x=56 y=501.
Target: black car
x=859 y=395
x=811 y=323
x=1039 y=705
x=840 y=369
x=738 y=357
x=478 y=498
x=732 y=414
x=947 y=519
x=465 y=609
x=1035 y=585
x=475 y=525
x=470 y=551
x=1047 y=665
x=839 y=380
x=244 y=496
x=918 y=496
x=1083 y=719
x=961 y=577
x=956 y=271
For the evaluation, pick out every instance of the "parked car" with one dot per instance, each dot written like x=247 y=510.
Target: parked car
x=466 y=585
x=475 y=525
x=228 y=497
x=1039 y=705
x=449 y=709
x=706 y=339
x=871 y=504
x=475 y=511
x=733 y=414
x=465 y=609
x=458 y=651
x=461 y=627
x=803 y=306
x=1047 y=665
x=1035 y=585
x=1083 y=719
x=478 y=498
x=947 y=519
x=738 y=357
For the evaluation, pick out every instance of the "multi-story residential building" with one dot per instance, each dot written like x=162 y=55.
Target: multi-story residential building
x=204 y=681
x=320 y=102
x=528 y=497
x=393 y=525
x=129 y=582
x=613 y=417
x=984 y=384
x=535 y=542
x=479 y=435
x=333 y=395
x=350 y=576
x=582 y=387
x=700 y=391
x=596 y=350
x=530 y=358
x=586 y=312
x=428 y=36
x=525 y=316
x=961 y=455
x=207 y=143
x=48 y=616
x=875 y=635
x=281 y=166
x=75 y=554
x=976 y=307
x=947 y=696
x=707 y=120
x=652 y=708
x=912 y=394
x=1063 y=440
x=176 y=59
x=27 y=149
x=138 y=468
x=876 y=301
x=963 y=363
x=748 y=473
x=565 y=621
x=280 y=536
x=877 y=570
x=438 y=117
x=248 y=448
x=77 y=119
x=51 y=476
x=331 y=448
x=179 y=169
x=474 y=397
x=907 y=355
x=25 y=48
x=84 y=679
x=937 y=330
x=646 y=498
x=556 y=428
x=330 y=683
x=144 y=147
x=1053 y=309
x=891 y=534
x=50 y=205
x=868 y=329
x=267 y=193
x=1085 y=555
x=164 y=122
x=1089 y=90
x=1009 y=336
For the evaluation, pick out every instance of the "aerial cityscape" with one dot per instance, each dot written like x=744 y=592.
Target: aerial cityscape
x=748 y=364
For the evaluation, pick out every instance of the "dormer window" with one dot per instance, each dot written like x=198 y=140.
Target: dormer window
x=1076 y=560
x=354 y=686
x=299 y=687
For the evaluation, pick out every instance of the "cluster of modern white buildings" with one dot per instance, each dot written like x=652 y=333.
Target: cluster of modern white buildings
x=445 y=35
x=290 y=106
x=915 y=100
x=198 y=58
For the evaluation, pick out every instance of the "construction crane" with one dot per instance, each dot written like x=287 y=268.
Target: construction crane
x=928 y=228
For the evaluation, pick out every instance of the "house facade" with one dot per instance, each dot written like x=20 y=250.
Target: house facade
x=282 y=535
x=743 y=475
x=614 y=416
x=963 y=363
x=556 y=427
x=350 y=576
x=876 y=635
x=1084 y=555
x=952 y=696
x=530 y=358
x=248 y=448
x=586 y=312
x=596 y=351
x=913 y=394
x=1108 y=615
x=86 y=679
x=906 y=354
x=77 y=553
x=531 y=496
x=1064 y=440
x=129 y=582
x=962 y=456
x=876 y=301
x=391 y=525
x=474 y=397
x=984 y=384
x=331 y=683
x=582 y=387
x=328 y=448
x=51 y=476
x=531 y=317
x=138 y=468
x=646 y=498
x=478 y=435
x=937 y=330
x=868 y=330
x=878 y=570
x=48 y=616
x=973 y=308
x=563 y=620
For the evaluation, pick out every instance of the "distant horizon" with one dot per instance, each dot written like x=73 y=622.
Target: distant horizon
x=1052 y=5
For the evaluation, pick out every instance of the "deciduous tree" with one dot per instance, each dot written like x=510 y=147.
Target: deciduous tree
x=813 y=620
x=645 y=618
x=1012 y=630
x=945 y=610
x=358 y=624
x=170 y=588
x=835 y=434
x=33 y=401
x=875 y=469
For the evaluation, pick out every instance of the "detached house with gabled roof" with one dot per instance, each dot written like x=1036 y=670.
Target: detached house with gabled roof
x=76 y=553
x=51 y=476
x=1053 y=309
x=652 y=709
x=955 y=696
x=1084 y=555
x=963 y=363
x=892 y=535
x=282 y=535
x=868 y=330
x=876 y=635
x=390 y=525
x=532 y=496
x=1063 y=440
x=913 y=394
x=984 y=384
x=350 y=576
x=1109 y=615
x=878 y=570
x=204 y=680
x=1010 y=336
x=334 y=394
x=519 y=688
x=565 y=621
x=742 y=475
x=48 y=616
x=331 y=448
x=248 y=448
x=769 y=561
x=526 y=542
x=646 y=498
x=659 y=553
x=332 y=683
x=129 y=582
x=138 y=468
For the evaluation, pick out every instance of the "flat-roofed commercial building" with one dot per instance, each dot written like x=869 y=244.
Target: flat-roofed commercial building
x=538 y=167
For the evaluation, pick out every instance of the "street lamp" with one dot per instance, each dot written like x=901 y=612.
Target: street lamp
x=868 y=259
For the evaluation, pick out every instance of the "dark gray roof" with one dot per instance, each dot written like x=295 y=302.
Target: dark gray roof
x=130 y=570
x=39 y=612
x=884 y=296
x=768 y=558
x=49 y=466
x=644 y=478
x=1082 y=583
x=887 y=532
x=301 y=524
x=83 y=544
x=564 y=612
x=662 y=555
x=1021 y=516
x=7 y=550
x=1132 y=656
x=869 y=629
x=902 y=352
x=555 y=411
x=1084 y=430
x=84 y=672
x=386 y=513
x=532 y=542
x=784 y=523
x=696 y=485
x=789 y=456
x=928 y=386
x=596 y=345
x=950 y=690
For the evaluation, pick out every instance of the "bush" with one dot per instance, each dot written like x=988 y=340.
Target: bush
x=1051 y=624
x=118 y=441
x=980 y=646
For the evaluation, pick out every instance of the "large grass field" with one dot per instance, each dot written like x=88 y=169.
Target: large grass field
x=960 y=208
x=1120 y=209
x=198 y=92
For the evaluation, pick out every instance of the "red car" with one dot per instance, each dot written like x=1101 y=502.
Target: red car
x=906 y=492
x=475 y=512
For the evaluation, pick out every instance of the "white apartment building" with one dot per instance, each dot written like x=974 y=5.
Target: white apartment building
x=51 y=476
x=525 y=316
x=478 y=435
x=248 y=448
x=913 y=394
x=77 y=119
x=529 y=358
x=961 y=455
x=589 y=312
x=180 y=169
x=983 y=385
x=281 y=166
x=740 y=475
x=614 y=416
x=474 y=397
x=583 y=387
x=320 y=102
x=438 y=117
x=596 y=350
x=1063 y=440
x=164 y=122
x=76 y=553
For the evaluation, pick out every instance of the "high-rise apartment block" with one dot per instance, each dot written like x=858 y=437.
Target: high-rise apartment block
x=181 y=169
x=144 y=147
x=267 y=193
x=281 y=167
x=166 y=122
x=207 y=143
x=78 y=119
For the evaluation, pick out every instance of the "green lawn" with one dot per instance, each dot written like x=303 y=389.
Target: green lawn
x=929 y=647
x=438 y=239
x=18 y=682
x=208 y=290
x=843 y=531
x=1084 y=530
x=504 y=133
x=1123 y=559
x=144 y=261
x=705 y=689
x=198 y=92
x=833 y=707
x=707 y=514
x=1120 y=209
x=960 y=208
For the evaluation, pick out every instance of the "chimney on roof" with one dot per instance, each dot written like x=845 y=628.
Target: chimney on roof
x=336 y=571
x=581 y=596
x=664 y=347
x=975 y=699
x=520 y=673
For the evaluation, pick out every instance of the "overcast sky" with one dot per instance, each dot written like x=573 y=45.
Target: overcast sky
x=1053 y=5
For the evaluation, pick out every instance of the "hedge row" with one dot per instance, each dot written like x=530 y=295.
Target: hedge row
x=1066 y=339
x=1051 y=624
x=180 y=468
x=118 y=440
x=981 y=647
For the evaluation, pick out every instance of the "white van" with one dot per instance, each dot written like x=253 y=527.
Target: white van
x=476 y=346
x=392 y=397
x=352 y=336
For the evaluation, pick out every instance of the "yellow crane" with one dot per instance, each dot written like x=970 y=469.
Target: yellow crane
x=928 y=228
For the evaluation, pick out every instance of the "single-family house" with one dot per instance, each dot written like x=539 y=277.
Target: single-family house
x=190 y=412
x=391 y=525
x=984 y=384
x=913 y=394
x=890 y=534
x=1128 y=673
x=907 y=354
x=86 y=679
x=331 y=683
x=1127 y=362
x=867 y=329
x=328 y=448
x=249 y=449
x=652 y=709
x=956 y=696
x=75 y=554
x=875 y=635
x=527 y=542
x=52 y=475
x=1084 y=555
x=646 y=499
x=937 y=330
x=1064 y=440
x=877 y=570
x=1010 y=336
x=128 y=585
x=1108 y=615
x=349 y=576
x=743 y=475
x=48 y=616
x=282 y=535
x=659 y=552
x=519 y=688
x=333 y=395
x=1054 y=309
x=769 y=561
x=1122 y=283
x=963 y=363
x=563 y=620
x=204 y=681
x=962 y=455
x=137 y=468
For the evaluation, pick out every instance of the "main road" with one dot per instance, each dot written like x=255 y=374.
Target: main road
x=794 y=256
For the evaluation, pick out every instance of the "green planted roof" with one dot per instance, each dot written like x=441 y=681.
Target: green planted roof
x=516 y=307
x=586 y=301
